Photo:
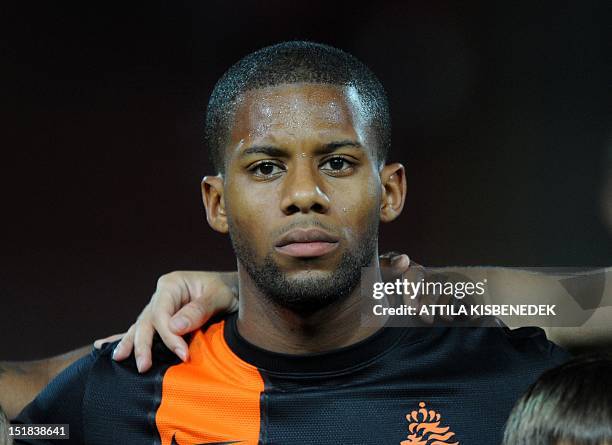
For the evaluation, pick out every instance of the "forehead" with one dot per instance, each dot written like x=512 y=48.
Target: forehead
x=301 y=111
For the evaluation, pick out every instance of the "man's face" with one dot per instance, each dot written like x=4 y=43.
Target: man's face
x=302 y=192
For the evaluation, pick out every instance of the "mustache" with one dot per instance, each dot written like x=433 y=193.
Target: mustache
x=304 y=224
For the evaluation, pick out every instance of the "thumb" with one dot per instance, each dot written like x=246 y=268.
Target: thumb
x=394 y=265
x=191 y=316
x=198 y=311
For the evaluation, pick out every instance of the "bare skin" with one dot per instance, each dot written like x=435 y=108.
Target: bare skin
x=292 y=164
x=5 y=439
x=361 y=189
x=185 y=300
x=21 y=381
x=312 y=192
x=310 y=126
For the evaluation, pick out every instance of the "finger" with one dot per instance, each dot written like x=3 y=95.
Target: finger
x=400 y=264
x=197 y=312
x=165 y=303
x=143 y=342
x=386 y=258
x=414 y=272
x=191 y=316
x=125 y=346
x=175 y=343
x=171 y=293
x=172 y=341
x=394 y=266
x=98 y=343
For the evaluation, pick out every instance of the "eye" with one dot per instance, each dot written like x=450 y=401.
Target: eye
x=266 y=169
x=337 y=166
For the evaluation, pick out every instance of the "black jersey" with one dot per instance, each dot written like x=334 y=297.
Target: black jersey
x=408 y=386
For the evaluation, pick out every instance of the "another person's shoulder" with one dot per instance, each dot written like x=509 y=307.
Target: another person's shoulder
x=529 y=344
x=62 y=397
x=500 y=347
x=98 y=391
x=65 y=392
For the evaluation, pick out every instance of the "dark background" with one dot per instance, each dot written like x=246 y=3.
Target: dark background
x=501 y=114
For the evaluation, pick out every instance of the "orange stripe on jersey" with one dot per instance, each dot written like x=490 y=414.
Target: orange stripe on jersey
x=214 y=397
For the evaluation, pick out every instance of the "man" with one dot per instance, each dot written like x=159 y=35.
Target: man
x=299 y=134
x=185 y=300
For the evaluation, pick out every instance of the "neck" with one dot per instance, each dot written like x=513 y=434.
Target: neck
x=274 y=328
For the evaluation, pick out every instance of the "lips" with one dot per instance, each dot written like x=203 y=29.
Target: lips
x=306 y=243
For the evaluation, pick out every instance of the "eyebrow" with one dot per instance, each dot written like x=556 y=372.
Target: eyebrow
x=279 y=152
x=332 y=146
x=266 y=150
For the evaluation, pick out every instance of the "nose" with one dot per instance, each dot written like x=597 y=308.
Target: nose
x=301 y=192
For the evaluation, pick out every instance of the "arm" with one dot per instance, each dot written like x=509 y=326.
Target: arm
x=594 y=336
x=4 y=437
x=593 y=326
x=61 y=402
x=194 y=296
x=184 y=301
x=21 y=381
x=592 y=331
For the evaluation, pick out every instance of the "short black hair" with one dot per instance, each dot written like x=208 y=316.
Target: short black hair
x=294 y=62
x=569 y=404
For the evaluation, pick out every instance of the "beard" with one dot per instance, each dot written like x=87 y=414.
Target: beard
x=314 y=291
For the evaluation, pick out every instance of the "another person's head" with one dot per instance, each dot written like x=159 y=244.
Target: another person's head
x=567 y=405
x=299 y=133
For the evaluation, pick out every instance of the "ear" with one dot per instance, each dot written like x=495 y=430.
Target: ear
x=212 y=195
x=393 y=182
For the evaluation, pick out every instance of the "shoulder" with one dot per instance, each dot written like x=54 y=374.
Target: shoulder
x=528 y=343
x=96 y=393
x=60 y=401
x=533 y=340
x=63 y=396
x=501 y=347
